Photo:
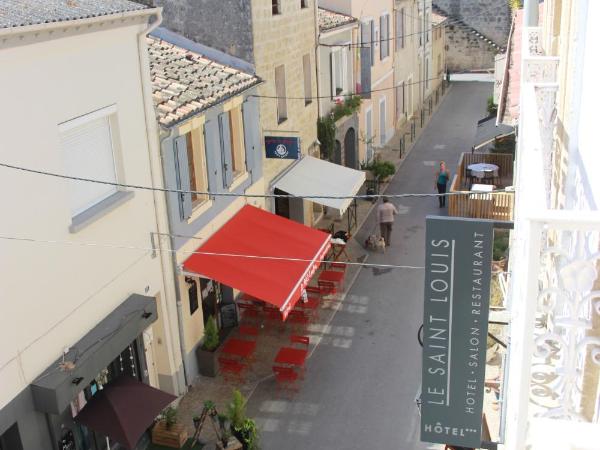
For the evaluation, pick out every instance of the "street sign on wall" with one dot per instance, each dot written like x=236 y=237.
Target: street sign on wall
x=279 y=147
x=455 y=321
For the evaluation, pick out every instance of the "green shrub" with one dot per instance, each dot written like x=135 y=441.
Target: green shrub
x=236 y=411
x=326 y=136
x=169 y=415
x=346 y=108
x=501 y=240
x=211 y=335
x=492 y=108
x=381 y=169
x=249 y=434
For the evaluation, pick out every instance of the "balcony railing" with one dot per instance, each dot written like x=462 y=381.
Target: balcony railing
x=497 y=206
x=552 y=390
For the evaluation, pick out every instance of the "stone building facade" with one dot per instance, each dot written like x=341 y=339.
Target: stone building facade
x=491 y=18
x=273 y=37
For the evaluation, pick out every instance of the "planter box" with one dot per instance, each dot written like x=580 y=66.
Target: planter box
x=233 y=444
x=175 y=437
x=207 y=362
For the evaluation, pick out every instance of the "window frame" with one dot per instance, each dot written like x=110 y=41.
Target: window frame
x=399 y=29
x=275 y=7
x=384 y=41
x=196 y=148
x=307 y=74
x=280 y=93
x=118 y=195
x=303 y=4
x=238 y=145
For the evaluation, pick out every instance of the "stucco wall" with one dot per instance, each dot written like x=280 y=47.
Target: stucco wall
x=56 y=292
x=490 y=17
x=224 y=25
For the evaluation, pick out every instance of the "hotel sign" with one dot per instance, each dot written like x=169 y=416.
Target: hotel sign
x=455 y=320
x=278 y=147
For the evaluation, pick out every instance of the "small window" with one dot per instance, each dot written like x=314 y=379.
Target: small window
x=196 y=165
x=339 y=70
x=399 y=29
x=307 y=79
x=280 y=93
x=276 y=7
x=384 y=26
x=238 y=153
x=87 y=145
x=303 y=3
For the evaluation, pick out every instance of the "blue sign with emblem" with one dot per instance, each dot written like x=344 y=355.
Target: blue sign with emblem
x=279 y=147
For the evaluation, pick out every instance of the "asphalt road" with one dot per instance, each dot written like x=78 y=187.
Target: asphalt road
x=361 y=382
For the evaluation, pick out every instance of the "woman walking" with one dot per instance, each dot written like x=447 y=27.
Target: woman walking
x=441 y=180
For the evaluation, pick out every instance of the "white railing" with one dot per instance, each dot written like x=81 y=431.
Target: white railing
x=553 y=303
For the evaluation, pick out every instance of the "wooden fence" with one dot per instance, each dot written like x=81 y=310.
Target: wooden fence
x=497 y=206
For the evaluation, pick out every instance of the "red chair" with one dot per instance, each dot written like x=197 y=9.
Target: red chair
x=338 y=266
x=313 y=292
x=286 y=378
x=303 y=340
x=232 y=370
x=249 y=311
x=273 y=316
x=248 y=330
x=327 y=288
x=298 y=318
x=310 y=307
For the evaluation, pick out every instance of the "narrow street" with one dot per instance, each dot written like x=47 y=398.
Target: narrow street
x=361 y=382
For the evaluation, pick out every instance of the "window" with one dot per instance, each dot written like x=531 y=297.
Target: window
x=400 y=107
x=238 y=154
x=196 y=165
x=280 y=93
x=303 y=3
x=87 y=144
x=231 y=137
x=339 y=67
x=367 y=37
x=384 y=26
x=403 y=97
x=307 y=79
x=439 y=64
x=427 y=74
x=399 y=29
x=276 y=7
x=427 y=24
x=420 y=27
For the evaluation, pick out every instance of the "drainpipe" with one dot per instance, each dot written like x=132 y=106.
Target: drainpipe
x=317 y=62
x=160 y=201
x=531 y=13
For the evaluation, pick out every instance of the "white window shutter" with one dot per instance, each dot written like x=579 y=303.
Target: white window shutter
x=88 y=153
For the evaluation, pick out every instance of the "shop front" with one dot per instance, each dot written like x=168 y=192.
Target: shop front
x=111 y=351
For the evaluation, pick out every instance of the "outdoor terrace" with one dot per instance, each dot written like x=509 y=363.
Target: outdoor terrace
x=476 y=203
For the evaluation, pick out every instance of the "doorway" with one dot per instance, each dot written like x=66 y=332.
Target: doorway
x=350 y=149
x=337 y=152
x=11 y=439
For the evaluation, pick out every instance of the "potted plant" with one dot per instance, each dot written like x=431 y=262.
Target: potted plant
x=206 y=353
x=168 y=431
x=242 y=427
x=381 y=169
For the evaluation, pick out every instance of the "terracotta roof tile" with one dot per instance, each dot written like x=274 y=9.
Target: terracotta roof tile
x=185 y=83
x=328 y=20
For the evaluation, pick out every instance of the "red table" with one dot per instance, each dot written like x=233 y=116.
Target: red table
x=334 y=276
x=291 y=356
x=239 y=347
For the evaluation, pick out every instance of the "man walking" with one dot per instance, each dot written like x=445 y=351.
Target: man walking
x=385 y=217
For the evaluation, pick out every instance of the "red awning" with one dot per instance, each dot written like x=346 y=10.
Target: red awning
x=255 y=232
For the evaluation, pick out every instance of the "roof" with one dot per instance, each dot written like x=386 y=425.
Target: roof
x=19 y=13
x=278 y=257
x=185 y=82
x=329 y=20
x=508 y=110
x=437 y=18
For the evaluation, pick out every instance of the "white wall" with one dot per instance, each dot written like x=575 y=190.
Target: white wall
x=51 y=294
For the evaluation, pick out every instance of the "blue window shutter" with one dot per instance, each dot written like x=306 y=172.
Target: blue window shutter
x=365 y=72
x=251 y=138
x=225 y=133
x=183 y=177
x=212 y=146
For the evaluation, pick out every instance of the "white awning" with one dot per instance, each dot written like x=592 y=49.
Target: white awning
x=312 y=176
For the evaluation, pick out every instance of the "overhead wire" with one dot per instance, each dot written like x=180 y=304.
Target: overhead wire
x=205 y=253
x=236 y=194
